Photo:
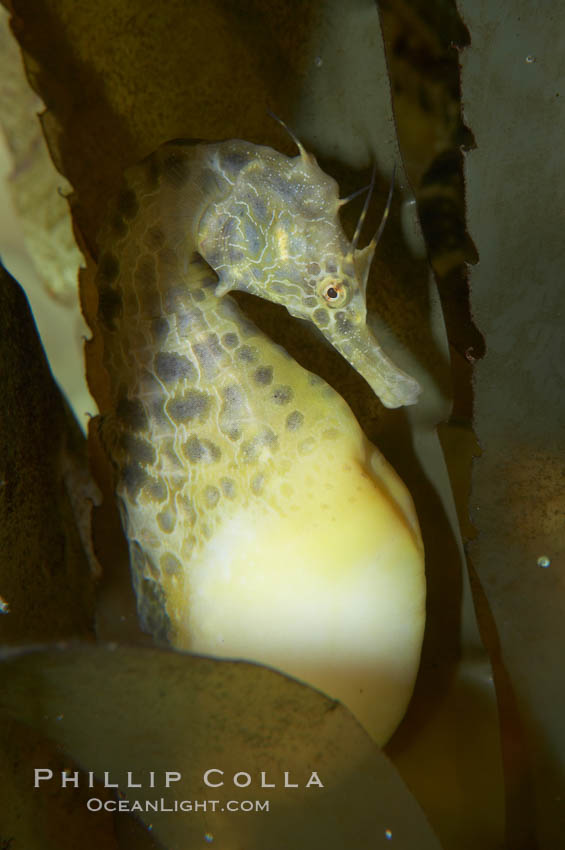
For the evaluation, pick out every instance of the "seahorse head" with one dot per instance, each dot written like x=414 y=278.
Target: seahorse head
x=274 y=231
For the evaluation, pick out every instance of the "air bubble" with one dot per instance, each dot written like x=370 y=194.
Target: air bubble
x=544 y=561
x=318 y=61
x=208 y=837
x=388 y=834
x=530 y=59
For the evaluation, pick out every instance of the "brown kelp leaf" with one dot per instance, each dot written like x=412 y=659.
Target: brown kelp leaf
x=516 y=220
x=46 y=580
x=116 y=709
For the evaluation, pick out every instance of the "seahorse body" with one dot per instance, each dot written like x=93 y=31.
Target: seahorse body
x=261 y=522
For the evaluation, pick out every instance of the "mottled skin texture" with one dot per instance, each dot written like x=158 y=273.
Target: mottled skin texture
x=208 y=417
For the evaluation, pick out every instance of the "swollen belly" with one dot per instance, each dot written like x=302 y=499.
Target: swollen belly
x=322 y=579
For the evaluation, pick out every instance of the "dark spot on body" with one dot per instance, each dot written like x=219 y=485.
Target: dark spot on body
x=198 y=295
x=246 y=327
x=233 y=401
x=127 y=204
x=228 y=487
x=251 y=449
x=166 y=520
x=310 y=301
x=259 y=208
x=287 y=190
x=282 y=394
x=321 y=317
x=110 y=306
x=133 y=478
x=294 y=420
x=314 y=268
x=247 y=354
x=230 y=340
x=235 y=255
x=232 y=161
x=171 y=367
x=212 y=495
x=191 y=321
x=188 y=509
x=210 y=354
x=263 y=375
x=229 y=227
x=108 y=267
x=331 y=267
x=192 y=405
x=131 y=412
x=170 y=564
x=156 y=489
x=204 y=451
x=159 y=329
x=269 y=438
x=139 y=450
x=253 y=238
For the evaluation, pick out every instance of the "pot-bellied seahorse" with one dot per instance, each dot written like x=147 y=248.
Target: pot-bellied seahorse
x=262 y=524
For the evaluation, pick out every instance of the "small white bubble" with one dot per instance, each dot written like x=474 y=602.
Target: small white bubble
x=530 y=59
x=59 y=717
x=388 y=834
x=208 y=837
x=4 y=606
x=544 y=561
x=318 y=61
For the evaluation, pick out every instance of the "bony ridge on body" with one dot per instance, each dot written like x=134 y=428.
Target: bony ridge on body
x=261 y=522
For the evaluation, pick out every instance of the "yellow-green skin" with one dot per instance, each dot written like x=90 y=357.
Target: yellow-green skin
x=261 y=522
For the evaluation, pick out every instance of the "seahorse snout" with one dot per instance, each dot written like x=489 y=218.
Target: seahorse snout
x=361 y=349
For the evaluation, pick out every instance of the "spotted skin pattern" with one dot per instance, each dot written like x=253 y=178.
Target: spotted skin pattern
x=206 y=414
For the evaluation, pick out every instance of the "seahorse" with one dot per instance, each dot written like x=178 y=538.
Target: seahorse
x=261 y=522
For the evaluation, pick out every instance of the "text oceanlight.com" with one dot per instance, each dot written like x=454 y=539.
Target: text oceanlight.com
x=95 y=804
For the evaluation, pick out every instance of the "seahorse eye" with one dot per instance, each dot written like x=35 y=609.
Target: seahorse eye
x=334 y=293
